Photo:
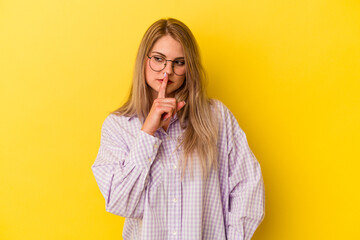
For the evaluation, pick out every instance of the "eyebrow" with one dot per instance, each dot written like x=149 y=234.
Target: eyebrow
x=165 y=55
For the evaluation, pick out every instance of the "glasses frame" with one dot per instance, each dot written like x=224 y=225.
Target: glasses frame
x=166 y=60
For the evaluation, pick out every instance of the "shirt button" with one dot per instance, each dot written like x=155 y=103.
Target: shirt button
x=174 y=200
x=168 y=137
x=155 y=145
x=174 y=232
x=175 y=167
x=149 y=159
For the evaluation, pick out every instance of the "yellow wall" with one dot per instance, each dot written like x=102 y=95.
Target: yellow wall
x=288 y=70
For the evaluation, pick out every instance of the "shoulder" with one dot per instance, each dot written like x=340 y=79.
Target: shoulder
x=220 y=109
x=217 y=105
x=226 y=118
x=118 y=124
x=114 y=120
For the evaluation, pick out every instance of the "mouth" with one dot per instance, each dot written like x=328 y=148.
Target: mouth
x=161 y=80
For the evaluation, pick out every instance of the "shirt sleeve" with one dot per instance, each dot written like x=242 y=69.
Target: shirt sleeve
x=121 y=170
x=246 y=186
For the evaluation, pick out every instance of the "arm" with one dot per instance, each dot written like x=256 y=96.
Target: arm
x=246 y=188
x=122 y=171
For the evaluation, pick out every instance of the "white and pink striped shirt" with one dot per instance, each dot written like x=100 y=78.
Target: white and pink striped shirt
x=139 y=176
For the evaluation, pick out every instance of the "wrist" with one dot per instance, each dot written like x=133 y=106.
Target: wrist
x=148 y=132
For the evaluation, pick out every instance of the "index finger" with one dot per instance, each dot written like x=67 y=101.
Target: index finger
x=162 y=89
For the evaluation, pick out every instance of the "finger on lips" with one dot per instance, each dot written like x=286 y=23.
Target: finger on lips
x=162 y=93
x=162 y=89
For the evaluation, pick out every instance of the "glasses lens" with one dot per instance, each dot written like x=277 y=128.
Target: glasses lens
x=179 y=67
x=157 y=63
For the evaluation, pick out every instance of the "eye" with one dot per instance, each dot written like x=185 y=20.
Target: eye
x=179 y=62
x=158 y=58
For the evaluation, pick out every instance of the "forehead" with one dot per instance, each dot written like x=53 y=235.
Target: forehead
x=169 y=47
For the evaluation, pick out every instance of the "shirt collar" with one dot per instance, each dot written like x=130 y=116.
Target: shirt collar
x=131 y=117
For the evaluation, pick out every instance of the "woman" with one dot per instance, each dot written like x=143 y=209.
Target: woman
x=171 y=161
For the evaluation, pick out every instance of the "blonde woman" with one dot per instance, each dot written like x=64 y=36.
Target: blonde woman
x=171 y=161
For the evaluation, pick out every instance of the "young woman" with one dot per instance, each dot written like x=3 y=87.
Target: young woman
x=171 y=161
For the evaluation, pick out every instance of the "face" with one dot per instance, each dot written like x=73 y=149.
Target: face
x=170 y=49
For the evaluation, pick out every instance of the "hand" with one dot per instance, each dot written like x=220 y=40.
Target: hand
x=161 y=110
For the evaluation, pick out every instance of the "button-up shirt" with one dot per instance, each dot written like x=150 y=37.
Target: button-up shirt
x=139 y=175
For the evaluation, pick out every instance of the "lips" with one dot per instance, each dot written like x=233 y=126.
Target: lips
x=169 y=81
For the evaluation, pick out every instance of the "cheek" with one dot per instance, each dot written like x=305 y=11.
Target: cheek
x=182 y=80
x=147 y=72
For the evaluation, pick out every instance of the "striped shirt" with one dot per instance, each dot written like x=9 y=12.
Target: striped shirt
x=139 y=175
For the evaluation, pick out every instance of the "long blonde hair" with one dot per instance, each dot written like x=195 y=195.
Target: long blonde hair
x=201 y=133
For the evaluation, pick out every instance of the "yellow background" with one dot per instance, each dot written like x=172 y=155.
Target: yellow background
x=288 y=70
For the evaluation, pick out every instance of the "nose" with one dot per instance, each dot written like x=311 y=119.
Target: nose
x=168 y=68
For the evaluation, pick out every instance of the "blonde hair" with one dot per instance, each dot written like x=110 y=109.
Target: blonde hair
x=201 y=128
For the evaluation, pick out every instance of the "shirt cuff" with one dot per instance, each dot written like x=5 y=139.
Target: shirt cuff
x=145 y=149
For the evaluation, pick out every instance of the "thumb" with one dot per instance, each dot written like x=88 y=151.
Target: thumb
x=180 y=105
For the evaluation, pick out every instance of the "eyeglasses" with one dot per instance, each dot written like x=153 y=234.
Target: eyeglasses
x=158 y=63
